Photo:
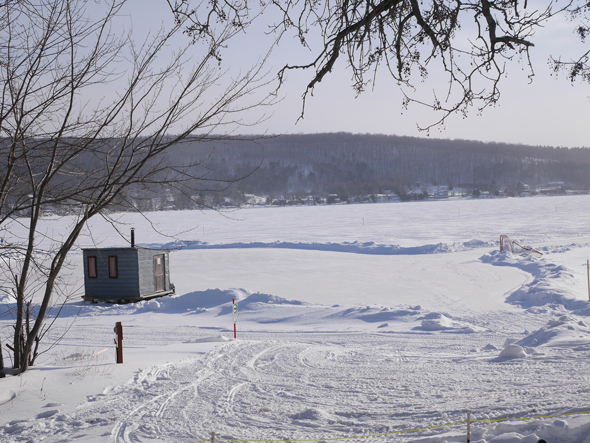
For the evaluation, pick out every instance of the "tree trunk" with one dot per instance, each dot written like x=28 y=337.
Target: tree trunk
x=1 y=361
x=18 y=327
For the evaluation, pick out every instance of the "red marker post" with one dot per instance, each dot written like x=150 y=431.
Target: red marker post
x=235 y=312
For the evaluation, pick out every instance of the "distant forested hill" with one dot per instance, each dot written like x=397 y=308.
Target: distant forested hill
x=349 y=164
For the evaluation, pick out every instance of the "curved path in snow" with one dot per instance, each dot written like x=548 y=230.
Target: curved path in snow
x=306 y=386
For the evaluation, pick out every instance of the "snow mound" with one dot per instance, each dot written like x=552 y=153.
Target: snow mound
x=436 y=322
x=312 y=414
x=355 y=247
x=514 y=437
x=220 y=339
x=563 y=332
x=551 y=284
x=256 y=302
x=512 y=351
x=190 y=303
x=378 y=314
x=559 y=249
x=153 y=305
x=47 y=414
x=440 y=322
x=384 y=317
x=208 y=299
x=267 y=299
x=6 y=395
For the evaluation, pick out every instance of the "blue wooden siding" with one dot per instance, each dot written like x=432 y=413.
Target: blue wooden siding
x=124 y=286
x=135 y=273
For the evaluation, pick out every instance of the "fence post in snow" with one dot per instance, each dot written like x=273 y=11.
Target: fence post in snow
x=468 y=426
x=234 y=307
x=212 y=437
x=119 y=341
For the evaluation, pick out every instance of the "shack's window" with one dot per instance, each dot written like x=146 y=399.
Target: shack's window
x=92 y=270
x=113 y=270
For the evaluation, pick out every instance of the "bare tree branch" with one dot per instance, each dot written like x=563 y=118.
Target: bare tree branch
x=87 y=115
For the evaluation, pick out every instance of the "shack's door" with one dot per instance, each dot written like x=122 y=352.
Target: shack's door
x=159 y=272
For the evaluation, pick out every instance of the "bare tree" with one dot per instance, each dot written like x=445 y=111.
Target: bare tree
x=579 y=13
x=469 y=43
x=87 y=113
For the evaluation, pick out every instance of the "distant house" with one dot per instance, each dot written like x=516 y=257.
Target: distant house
x=124 y=275
x=440 y=193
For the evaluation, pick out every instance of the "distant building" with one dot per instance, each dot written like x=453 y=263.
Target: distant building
x=124 y=275
x=523 y=189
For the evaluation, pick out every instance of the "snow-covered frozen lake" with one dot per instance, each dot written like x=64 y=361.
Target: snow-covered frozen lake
x=354 y=320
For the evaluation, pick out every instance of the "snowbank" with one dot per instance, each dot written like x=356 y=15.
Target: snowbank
x=356 y=247
x=564 y=332
x=550 y=283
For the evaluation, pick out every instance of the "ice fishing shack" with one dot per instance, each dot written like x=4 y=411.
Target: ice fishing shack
x=126 y=275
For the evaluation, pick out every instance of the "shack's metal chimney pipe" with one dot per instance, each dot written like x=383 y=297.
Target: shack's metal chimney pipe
x=133 y=237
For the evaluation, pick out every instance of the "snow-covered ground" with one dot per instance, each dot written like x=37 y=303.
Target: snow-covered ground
x=354 y=320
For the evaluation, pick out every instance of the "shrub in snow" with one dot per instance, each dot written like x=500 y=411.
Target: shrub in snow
x=513 y=351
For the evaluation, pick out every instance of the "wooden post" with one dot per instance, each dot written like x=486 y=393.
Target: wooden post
x=119 y=330
x=212 y=437
x=234 y=315
x=468 y=426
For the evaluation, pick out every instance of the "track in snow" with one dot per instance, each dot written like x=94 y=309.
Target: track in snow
x=314 y=385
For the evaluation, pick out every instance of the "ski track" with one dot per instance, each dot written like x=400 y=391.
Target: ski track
x=293 y=385
x=337 y=384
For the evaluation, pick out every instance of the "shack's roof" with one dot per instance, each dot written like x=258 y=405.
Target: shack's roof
x=123 y=248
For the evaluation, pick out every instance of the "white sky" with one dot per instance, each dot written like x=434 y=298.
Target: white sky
x=548 y=111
